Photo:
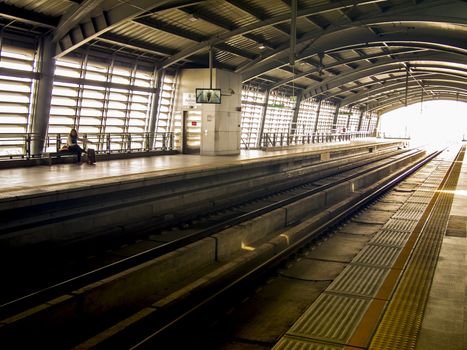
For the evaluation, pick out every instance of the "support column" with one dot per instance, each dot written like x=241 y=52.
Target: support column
x=378 y=119
x=336 y=115
x=348 y=120
x=317 y=116
x=43 y=98
x=293 y=125
x=155 y=108
x=360 y=120
x=263 y=118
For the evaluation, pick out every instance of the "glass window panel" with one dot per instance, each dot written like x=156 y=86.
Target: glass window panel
x=95 y=76
x=115 y=121
x=12 y=97
x=60 y=120
x=118 y=96
x=98 y=95
x=117 y=105
x=132 y=128
x=114 y=129
x=106 y=109
x=120 y=80
x=58 y=110
x=138 y=115
x=252 y=110
x=89 y=121
x=16 y=64
x=91 y=112
x=16 y=97
x=114 y=113
x=88 y=129
x=66 y=72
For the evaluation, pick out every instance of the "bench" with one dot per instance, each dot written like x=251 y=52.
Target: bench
x=58 y=154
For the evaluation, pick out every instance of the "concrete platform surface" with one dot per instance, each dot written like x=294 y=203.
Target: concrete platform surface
x=21 y=179
x=445 y=322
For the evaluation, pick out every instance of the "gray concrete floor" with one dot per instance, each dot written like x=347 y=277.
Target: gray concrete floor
x=21 y=179
x=445 y=323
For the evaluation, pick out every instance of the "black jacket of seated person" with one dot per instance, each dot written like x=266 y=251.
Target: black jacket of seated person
x=73 y=144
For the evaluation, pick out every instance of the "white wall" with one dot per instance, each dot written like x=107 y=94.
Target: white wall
x=220 y=123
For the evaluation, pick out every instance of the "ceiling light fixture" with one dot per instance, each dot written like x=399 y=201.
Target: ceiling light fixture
x=192 y=18
x=261 y=47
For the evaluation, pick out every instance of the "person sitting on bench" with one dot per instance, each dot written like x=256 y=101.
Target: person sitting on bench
x=72 y=144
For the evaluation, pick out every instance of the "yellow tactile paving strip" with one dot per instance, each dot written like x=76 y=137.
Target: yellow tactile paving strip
x=330 y=325
x=400 y=325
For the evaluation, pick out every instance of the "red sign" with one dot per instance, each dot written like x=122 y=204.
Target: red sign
x=193 y=123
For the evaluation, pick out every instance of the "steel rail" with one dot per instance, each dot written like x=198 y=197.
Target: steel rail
x=274 y=261
x=128 y=262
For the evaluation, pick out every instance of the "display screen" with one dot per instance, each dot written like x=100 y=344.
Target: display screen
x=208 y=95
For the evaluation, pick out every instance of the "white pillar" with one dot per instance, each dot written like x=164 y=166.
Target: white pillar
x=220 y=123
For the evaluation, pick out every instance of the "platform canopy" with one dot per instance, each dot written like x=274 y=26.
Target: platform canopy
x=376 y=54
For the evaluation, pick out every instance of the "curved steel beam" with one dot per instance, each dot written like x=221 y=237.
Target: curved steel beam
x=219 y=38
x=74 y=16
x=395 y=83
x=105 y=21
x=444 y=41
x=391 y=107
x=378 y=68
x=373 y=84
x=399 y=92
x=415 y=94
x=343 y=63
x=436 y=13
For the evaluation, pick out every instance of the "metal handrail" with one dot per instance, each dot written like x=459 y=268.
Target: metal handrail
x=282 y=139
x=104 y=141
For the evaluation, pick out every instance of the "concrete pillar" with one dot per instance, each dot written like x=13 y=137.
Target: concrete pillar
x=43 y=99
x=220 y=123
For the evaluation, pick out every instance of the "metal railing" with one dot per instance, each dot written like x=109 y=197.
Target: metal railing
x=19 y=146
x=285 y=139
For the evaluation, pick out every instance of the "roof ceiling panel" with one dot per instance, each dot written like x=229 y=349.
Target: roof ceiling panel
x=224 y=12
x=245 y=44
x=271 y=8
x=229 y=58
x=279 y=73
x=135 y=31
x=271 y=34
x=305 y=81
x=46 y=7
x=206 y=19
x=186 y=21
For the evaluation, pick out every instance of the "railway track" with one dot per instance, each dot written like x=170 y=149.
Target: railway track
x=228 y=319
x=236 y=216
x=258 y=309
x=81 y=262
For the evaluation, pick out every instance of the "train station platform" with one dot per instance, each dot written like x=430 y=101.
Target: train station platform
x=41 y=203
x=445 y=323
x=39 y=179
x=407 y=288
